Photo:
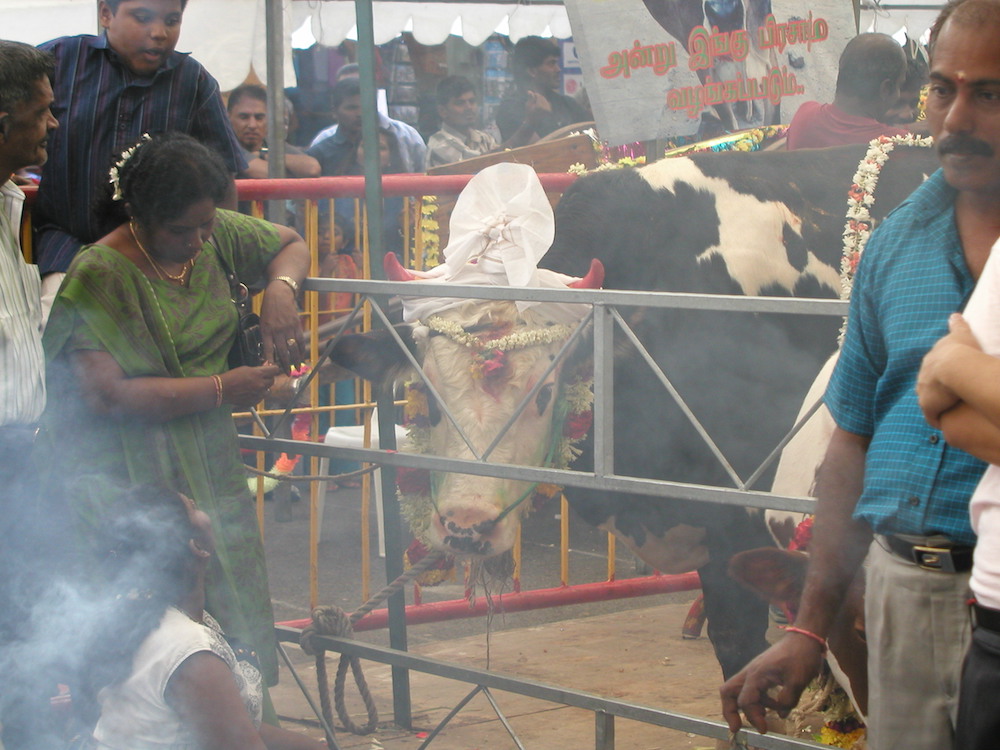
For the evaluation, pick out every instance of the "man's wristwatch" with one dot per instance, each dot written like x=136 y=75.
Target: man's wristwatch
x=262 y=153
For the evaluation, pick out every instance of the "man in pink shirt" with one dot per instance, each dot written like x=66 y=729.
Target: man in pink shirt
x=872 y=70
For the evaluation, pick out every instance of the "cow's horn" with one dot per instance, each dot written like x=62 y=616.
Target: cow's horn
x=594 y=278
x=394 y=270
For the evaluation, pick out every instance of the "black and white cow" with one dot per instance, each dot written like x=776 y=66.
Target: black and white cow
x=765 y=223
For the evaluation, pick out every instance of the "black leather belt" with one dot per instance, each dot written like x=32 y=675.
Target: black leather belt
x=952 y=559
x=988 y=619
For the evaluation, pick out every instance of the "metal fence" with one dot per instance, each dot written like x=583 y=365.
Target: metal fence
x=603 y=320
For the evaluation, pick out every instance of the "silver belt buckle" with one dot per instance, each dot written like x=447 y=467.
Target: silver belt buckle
x=933 y=558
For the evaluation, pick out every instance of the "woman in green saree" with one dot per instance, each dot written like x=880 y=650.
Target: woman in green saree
x=137 y=346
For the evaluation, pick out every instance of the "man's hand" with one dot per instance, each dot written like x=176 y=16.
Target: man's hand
x=536 y=106
x=936 y=397
x=790 y=665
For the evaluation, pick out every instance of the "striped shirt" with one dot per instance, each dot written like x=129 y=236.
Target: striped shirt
x=449 y=145
x=912 y=276
x=22 y=361
x=103 y=108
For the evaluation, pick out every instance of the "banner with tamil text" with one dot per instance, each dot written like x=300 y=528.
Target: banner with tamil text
x=654 y=68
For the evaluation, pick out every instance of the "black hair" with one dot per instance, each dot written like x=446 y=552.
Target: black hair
x=973 y=12
x=246 y=91
x=344 y=90
x=916 y=73
x=348 y=70
x=346 y=227
x=164 y=176
x=867 y=61
x=21 y=65
x=530 y=52
x=113 y=5
x=146 y=566
x=453 y=87
x=348 y=164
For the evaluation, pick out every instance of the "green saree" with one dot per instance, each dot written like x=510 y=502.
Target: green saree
x=153 y=328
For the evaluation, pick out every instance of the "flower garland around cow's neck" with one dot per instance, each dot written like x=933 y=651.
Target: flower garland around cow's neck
x=860 y=199
x=490 y=354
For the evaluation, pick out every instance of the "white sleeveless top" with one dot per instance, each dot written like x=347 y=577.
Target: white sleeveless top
x=135 y=714
x=983 y=315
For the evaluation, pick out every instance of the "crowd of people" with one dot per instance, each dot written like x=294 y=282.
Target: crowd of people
x=123 y=406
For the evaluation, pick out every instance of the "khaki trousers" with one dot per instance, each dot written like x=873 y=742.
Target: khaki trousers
x=918 y=630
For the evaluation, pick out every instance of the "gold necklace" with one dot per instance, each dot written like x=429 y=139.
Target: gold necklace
x=160 y=270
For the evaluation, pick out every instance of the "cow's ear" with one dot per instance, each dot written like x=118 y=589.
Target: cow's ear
x=375 y=356
x=777 y=575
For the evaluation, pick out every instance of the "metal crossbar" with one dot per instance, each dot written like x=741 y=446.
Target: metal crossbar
x=604 y=477
x=485 y=679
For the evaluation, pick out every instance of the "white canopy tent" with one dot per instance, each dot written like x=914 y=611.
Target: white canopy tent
x=914 y=18
x=228 y=36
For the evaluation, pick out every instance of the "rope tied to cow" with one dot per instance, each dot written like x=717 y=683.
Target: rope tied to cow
x=331 y=620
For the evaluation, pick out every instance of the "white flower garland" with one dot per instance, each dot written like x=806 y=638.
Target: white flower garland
x=860 y=198
x=510 y=342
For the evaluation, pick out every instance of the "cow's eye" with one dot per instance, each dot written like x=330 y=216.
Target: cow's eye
x=544 y=398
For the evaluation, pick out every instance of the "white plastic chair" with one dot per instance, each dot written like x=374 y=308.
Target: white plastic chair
x=353 y=436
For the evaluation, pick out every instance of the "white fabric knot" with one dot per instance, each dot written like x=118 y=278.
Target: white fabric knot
x=502 y=249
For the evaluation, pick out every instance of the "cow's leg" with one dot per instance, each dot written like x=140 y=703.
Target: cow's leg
x=737 y=618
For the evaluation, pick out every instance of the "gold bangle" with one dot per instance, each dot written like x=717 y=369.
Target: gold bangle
x=217 y=381
x=290 y=281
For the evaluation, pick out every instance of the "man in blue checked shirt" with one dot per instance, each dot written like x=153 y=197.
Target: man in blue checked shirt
x=109 y=90
x=890 y=487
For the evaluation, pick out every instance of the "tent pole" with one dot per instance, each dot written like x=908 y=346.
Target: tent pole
x=401 y=705
x=275 y=102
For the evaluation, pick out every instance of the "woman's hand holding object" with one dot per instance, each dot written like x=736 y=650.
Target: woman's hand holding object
x=281 y=328
x=247 y=386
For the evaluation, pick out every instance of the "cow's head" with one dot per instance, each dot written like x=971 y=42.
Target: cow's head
x=483 y=360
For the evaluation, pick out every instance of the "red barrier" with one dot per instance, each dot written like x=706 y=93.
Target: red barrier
x=584 y=593
x=319 y=188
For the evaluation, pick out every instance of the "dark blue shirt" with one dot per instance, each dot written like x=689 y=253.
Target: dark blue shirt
x=103 y=108
x=337 y=155
x=912 y=276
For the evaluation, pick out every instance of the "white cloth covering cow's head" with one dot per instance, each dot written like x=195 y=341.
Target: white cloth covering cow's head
x=484 y=360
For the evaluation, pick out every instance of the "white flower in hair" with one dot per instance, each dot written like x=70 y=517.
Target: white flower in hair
x=113 y=173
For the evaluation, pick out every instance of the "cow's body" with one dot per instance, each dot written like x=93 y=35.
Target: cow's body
x=764 y=223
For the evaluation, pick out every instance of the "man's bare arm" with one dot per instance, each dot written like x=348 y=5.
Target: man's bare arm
x=838 y=547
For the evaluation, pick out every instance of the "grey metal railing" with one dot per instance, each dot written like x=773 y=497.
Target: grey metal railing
x=603 y=319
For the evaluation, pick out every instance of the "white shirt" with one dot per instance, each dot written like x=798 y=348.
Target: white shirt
x=22 y=361
x=135 y=714
x=983 y=315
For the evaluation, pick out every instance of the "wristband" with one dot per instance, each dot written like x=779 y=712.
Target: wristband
x=290 y=281
x=217 y=381
x=808 y=634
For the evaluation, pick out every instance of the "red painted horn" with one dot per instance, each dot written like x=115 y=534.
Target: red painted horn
x=594 y=278
x=394 y=270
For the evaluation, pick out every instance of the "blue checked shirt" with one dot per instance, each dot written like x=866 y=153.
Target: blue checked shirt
x=912 y=276
x=103 y=109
